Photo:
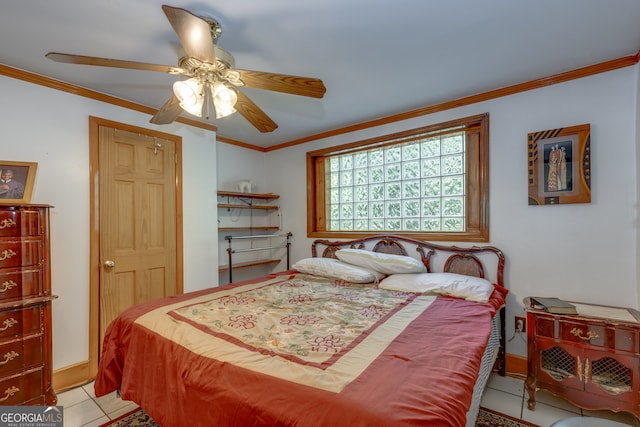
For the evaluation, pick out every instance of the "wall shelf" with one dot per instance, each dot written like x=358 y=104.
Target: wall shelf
x=258 y=227
x=246 y=206
x=248 y=264
x=240 y=216
x=237 y=194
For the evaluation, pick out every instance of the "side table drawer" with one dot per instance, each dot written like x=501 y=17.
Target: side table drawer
x=544 y=326
x=626 y=339
x=582 y=332
x=599 y=334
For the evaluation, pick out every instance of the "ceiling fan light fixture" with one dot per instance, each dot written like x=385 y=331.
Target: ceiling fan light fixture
x=189 y=93
x=211 y=75
x=224 y=99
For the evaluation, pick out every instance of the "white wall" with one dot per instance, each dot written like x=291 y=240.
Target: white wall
x=581 y=252
x=237 y=164
x=52 y=128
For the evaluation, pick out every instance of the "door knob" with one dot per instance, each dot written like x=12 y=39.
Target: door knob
x=109 y=264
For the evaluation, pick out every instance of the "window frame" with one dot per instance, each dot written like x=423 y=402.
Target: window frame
x=477 y=182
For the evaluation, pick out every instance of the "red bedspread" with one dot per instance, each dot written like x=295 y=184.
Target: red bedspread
x=178 y=364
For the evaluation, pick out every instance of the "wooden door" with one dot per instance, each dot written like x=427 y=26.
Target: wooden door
x=138 y=217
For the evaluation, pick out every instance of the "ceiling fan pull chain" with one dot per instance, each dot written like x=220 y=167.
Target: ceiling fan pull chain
x=205 y=89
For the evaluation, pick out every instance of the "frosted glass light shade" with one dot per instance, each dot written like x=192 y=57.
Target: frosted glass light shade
x=224 y=99
x=189 y=93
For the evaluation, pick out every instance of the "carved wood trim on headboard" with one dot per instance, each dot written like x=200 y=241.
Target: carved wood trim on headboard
x=459 y=260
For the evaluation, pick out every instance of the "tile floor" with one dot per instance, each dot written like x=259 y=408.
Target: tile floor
x=503 y=394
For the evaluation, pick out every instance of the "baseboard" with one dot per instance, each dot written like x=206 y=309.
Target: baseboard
x=71 y=377
x=516 y=365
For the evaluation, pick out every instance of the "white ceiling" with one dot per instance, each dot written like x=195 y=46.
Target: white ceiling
x=376 y=57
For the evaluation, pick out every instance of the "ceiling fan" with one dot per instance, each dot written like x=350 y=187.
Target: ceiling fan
x=212 y=76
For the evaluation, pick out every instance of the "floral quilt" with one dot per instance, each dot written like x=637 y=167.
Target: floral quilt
x=305 y=319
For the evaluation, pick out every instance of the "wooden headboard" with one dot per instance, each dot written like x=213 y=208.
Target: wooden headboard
x=481 y=261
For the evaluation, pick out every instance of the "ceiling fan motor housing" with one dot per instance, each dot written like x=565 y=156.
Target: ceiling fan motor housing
x=195 y=67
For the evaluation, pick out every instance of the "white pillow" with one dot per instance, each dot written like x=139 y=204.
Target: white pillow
x=381 y=262
x=335 y=269
x=456 y=285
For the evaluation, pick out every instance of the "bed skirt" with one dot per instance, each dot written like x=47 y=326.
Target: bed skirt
x=488 y=361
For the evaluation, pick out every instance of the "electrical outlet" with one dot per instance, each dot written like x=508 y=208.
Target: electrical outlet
x=520 y=324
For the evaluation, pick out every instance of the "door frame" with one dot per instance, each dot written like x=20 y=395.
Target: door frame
x=94 y=227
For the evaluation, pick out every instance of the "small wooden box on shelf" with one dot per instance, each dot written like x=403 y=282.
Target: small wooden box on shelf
x=591 y=358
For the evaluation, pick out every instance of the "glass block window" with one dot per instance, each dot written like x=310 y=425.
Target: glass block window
x=413 y=186
x=430 y=182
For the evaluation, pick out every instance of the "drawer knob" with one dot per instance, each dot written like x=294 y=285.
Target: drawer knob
x=6 y=254
x=590 y=334
x=6 y=223
x=8 y=324
x=9 y=392
x=9 y=356
x=9 y=284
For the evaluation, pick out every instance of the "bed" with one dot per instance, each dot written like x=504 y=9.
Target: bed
x=314 y=349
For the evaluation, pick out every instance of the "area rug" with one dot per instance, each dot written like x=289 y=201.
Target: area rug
x=489 y=418
x=486 y=418
x=138 y=418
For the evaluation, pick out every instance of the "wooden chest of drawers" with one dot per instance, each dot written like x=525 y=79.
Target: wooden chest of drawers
x=25 y=306
x=593 y=361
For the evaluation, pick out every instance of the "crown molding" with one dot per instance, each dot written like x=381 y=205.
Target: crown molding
x=579 y=73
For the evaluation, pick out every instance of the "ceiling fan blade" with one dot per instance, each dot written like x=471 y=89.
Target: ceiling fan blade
x=168 y=113
x=115 y=63
x=194 y=33
x=295 y=85
x=254 y=114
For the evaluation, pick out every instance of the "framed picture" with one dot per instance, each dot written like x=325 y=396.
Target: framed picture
x=559 y=166
x=16 y=181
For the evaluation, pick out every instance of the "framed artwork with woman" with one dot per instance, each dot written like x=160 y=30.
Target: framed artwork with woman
x=559 y=165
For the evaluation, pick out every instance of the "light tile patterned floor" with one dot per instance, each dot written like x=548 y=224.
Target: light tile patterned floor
x=503 y=394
